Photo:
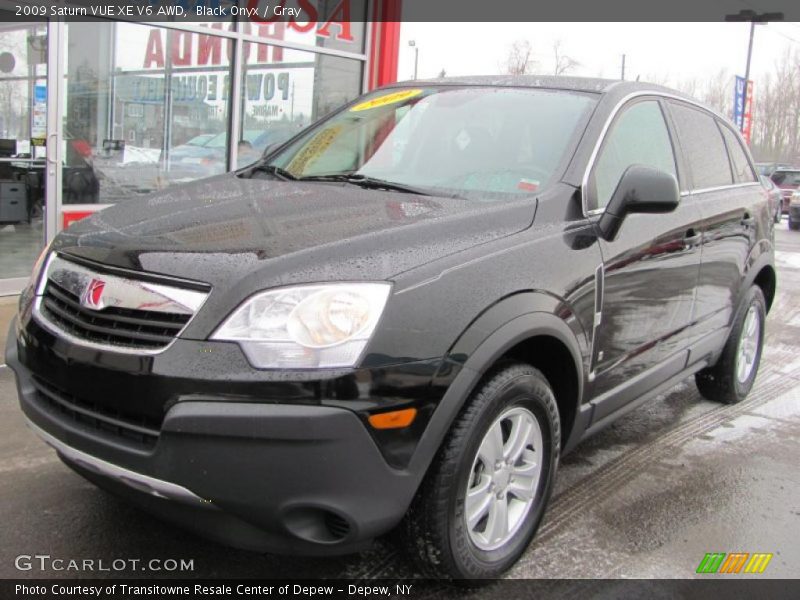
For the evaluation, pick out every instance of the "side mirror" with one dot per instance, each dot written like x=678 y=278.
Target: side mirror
x=640 y=190
x=269 y=148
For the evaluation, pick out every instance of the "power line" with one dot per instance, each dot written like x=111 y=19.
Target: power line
x=783 y=35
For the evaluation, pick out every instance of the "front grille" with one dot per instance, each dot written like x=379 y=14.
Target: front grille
x=112 y=325
x=137 y=430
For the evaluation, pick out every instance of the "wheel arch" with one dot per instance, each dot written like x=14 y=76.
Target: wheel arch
x=760 y=271
x=767 y=280
x=539 y=338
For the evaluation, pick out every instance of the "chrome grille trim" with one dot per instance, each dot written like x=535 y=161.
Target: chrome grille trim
x=144 y=317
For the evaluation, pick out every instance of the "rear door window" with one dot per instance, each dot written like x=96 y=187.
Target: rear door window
x=703 y=147
x=742 y=172
x=639 y=136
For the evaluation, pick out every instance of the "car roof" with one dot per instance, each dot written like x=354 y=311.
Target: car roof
x=577 y=84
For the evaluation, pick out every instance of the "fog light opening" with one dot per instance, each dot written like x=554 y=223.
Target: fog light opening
x=317 y=525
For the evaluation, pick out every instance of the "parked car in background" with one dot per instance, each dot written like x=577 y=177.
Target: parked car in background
x=193 y=162
x=775 y=197
x=403 y=316
x=768 y=168
x=788 y=180
x=181 y=151
x=794 y=211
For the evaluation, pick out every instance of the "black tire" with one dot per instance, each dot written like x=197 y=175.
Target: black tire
x=435 y=528
x=720 y=382
x=794 y=225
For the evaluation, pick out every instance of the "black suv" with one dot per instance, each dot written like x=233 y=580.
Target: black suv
x=406 y=313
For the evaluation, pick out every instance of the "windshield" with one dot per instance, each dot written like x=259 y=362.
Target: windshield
x=473 y=142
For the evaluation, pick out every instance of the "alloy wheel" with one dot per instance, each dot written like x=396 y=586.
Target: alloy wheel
x=504 y=478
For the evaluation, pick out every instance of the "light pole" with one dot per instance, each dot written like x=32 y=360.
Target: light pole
x=755 y=19
x=413 y=44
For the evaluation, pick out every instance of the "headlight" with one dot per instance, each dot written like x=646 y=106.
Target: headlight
x=28 y=293
x=37 y=267
x=308 y=326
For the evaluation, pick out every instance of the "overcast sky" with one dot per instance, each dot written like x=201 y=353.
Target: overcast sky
x=661 y=50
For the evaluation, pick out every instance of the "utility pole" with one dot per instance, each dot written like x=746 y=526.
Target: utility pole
x=623 y=68
x=413 y=44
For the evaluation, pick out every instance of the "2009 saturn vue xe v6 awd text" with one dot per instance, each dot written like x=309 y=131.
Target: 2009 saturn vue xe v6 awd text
x=403 y=315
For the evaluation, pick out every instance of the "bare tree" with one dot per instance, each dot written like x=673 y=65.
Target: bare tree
x=520 y=58
x=718 y=93
x=563 y=63
x=776 y=111
x=775 y=133
x=690 y=87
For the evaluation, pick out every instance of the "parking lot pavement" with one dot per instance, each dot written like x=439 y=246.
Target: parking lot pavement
x=647 y=497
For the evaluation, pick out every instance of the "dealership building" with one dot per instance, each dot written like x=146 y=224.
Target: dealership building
x=101 y=112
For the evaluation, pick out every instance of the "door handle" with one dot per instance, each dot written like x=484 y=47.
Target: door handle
x=748 y=221
x=52 y=157
x=692 y=238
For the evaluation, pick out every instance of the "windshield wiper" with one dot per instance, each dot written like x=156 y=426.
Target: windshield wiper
x=367 y=182
x=274 y=170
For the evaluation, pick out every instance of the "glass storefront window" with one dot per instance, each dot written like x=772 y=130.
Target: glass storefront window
x=148 y=106
x=23 y=134
x=284 y=90
x=145 y=108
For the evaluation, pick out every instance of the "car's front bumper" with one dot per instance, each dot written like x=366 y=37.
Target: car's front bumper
x=289 y=478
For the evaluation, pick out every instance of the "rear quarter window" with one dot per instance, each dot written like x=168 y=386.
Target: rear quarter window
x=742 y=172
x=703 y=147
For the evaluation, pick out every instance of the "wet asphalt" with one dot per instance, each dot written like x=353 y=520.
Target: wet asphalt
x=648 y=497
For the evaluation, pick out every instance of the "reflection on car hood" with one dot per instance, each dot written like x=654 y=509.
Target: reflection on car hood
x=223 y=229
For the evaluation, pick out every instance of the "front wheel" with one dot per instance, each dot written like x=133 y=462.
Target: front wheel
x=730 y=380
x=485 y=494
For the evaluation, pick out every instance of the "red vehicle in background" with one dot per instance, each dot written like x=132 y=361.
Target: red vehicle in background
x=788 y=180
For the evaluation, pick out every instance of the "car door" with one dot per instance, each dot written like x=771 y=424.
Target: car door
x=649 y=272
x=730 y=199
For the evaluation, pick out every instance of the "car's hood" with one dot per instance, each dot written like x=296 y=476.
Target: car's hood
x=226 y=229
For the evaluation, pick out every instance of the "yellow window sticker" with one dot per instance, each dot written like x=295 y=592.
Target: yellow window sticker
x=313 y=149
x=392 y=98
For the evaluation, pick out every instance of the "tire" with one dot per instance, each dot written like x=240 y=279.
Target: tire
x=794 y=225
x=724 y=382
x=436 y=529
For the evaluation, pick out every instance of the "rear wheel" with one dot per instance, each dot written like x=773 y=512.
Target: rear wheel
x=731 y=379
x=485 y=494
